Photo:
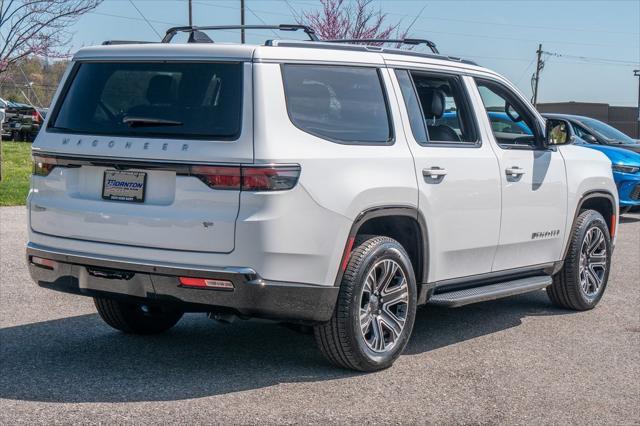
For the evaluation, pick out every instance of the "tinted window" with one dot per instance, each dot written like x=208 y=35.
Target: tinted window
x=202 y=100
x=579 y=131
x=606 y=130
x=338 y=103
x=502 y=104
x=416 y=119
x=502 y=123
x=437 y=103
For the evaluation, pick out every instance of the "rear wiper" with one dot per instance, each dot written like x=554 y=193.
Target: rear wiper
x=149 y=122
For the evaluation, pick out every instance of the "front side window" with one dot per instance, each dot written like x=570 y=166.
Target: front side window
x=511 y=122
x=502 y=123
x=438 y=108
x=180 y=100
x=338 y=103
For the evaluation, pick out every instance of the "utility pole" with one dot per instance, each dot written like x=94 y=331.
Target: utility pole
x=637 y=74
x=536 y=79
x=190 y=14
x=242 y=21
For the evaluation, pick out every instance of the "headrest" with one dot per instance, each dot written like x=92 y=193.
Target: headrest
x=159 y=90
x=432 y=101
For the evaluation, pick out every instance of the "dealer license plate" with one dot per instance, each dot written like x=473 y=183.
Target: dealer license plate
x=124 y=186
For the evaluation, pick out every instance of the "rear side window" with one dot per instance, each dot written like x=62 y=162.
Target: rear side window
x=339 y=103
x=174 y=100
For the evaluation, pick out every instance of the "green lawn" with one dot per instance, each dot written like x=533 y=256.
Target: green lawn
x=16 y=169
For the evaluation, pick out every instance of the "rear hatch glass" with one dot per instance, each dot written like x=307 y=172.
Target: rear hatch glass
x=133 y=128
x=153 y=99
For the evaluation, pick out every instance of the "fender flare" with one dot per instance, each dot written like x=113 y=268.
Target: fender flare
x=587 y=196
x=382 y=211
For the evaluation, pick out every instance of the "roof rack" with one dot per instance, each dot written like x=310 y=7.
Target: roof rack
x=411 y=41
x=193 y=30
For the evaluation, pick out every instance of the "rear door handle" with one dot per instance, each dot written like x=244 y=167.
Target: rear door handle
x=434 y=172
x=514 y=171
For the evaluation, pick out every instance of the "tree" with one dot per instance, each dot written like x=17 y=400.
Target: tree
x=38 y=27
x=357 y=20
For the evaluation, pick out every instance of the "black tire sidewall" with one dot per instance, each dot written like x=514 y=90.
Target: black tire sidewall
x=385 y=250
x=593 y=219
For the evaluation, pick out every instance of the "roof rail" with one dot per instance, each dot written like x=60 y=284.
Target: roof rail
x=115 y=42
x=411 y=41
x=171 y=32
x=326 y=44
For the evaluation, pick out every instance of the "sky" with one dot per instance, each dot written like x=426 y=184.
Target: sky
x=593 y=46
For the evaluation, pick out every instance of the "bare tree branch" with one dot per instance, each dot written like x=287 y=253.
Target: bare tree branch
x=358 y=20
x=38 y=27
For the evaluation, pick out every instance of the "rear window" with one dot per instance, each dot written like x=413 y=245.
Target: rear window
x=339 y=103
x=179 y=100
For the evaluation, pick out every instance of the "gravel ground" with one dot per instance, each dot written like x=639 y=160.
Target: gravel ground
x=513 y=361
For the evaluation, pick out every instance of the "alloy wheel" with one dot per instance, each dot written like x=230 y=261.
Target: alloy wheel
x=593 y=261
x=384 y=305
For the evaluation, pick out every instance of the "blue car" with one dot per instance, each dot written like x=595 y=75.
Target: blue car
x=626 y=173
x=624 y=162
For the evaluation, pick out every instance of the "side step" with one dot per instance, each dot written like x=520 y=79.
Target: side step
x=454 y=299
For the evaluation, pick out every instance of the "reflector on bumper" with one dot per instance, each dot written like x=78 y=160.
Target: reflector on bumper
x=206 y=283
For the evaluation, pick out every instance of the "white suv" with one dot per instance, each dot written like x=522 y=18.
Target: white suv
x=315 y=183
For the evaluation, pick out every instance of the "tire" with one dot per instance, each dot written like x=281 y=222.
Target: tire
x=134 y=318
x=582 y=281
x=347 y=343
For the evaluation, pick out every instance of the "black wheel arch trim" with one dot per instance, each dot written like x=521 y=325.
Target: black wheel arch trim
x=384 y=211
x=587 y=196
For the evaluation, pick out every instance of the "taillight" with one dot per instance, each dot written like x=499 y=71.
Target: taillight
x=270 y=178
x=42 y=166
x=219 y=177
x=35 y=116
x=248 y=178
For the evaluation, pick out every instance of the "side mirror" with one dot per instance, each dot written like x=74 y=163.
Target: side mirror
x=589 y=139
x=557 y=132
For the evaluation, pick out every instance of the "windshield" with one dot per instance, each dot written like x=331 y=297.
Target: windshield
x=606 y=131
x=179 y=100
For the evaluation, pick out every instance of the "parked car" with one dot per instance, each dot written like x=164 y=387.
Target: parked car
x=308 y=182
x=501 y=124
x=3 y=113
x=23 y=121
x=594 y=131
x=624 y=163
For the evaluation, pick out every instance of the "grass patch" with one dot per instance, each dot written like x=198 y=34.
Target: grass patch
x=16 y=169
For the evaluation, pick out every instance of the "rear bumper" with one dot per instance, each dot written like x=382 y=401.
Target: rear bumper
x=101 y=276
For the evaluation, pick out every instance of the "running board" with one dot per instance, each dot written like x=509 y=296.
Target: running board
x=456 y=298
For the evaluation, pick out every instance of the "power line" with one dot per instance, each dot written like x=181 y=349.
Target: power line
x=261 y=20
x=145 y=18
x=584 y=59
x=416 y=18
x=593 y=59
x=494 y=23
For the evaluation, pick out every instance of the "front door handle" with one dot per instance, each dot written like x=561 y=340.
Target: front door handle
x=434 y=172
x=514 y=171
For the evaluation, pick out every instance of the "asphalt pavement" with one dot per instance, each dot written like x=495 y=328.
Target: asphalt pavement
x=512 y=361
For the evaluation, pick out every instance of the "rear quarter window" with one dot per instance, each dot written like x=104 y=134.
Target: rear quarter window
x=339 y=103
x=170 y=99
